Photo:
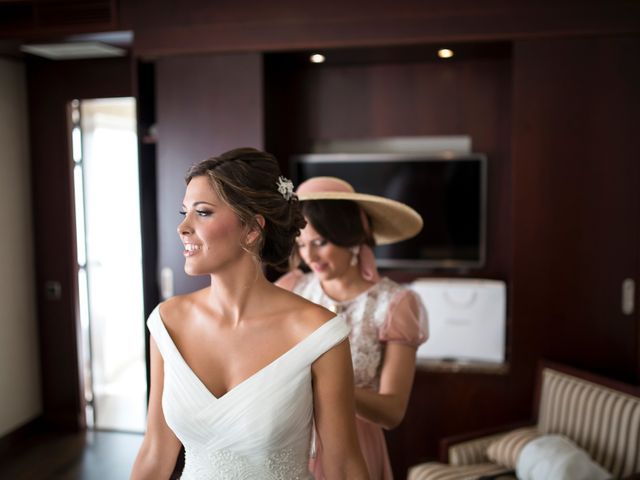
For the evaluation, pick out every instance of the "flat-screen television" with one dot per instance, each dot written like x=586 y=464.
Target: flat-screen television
x=449 y=191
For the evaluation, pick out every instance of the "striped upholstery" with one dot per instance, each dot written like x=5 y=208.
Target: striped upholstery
x=603 y=421
x=506 y=449
x=440 y=471
x=472 y=451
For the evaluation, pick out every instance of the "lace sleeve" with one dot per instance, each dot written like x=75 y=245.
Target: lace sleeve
x=406 y=322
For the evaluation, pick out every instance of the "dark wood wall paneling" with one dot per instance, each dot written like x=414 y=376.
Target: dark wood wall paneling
x=164 y=28
x=205 y=105
x=576 y=190
x=51 y=86
x=45 y=19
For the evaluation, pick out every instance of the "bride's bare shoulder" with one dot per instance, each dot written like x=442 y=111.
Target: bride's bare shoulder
x=306 y=316
x=175 y=309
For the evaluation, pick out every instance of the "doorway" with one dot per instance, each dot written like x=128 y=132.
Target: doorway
x=109 y=262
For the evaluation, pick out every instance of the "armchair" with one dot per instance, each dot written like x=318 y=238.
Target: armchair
x=599 y=415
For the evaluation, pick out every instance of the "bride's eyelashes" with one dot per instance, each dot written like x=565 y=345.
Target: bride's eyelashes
x=200 y=213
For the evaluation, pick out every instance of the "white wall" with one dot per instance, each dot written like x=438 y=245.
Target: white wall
x=20 y=399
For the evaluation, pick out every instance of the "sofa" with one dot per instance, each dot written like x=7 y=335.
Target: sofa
x=601 y=417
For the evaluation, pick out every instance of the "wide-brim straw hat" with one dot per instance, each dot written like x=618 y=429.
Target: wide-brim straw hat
x=391 y=221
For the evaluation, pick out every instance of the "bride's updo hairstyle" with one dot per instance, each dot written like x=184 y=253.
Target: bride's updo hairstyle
x=248 y=180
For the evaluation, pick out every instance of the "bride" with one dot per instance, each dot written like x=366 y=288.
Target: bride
x=242 y=369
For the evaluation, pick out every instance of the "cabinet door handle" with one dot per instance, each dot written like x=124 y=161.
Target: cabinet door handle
x=628 y=296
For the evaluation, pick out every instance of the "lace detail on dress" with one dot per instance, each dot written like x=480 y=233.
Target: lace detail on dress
x=226 y=465
x=365 y=314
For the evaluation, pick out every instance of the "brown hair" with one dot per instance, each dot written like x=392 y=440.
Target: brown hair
x=338 y=221
x=246 y=180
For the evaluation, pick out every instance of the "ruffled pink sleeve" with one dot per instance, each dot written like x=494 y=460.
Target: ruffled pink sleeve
x=288 y=280
x=406 y=321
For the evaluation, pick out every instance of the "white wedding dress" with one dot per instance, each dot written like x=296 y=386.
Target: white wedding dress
x=261 y=428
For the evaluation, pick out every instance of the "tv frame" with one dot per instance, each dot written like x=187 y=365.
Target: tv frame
x=444 y=264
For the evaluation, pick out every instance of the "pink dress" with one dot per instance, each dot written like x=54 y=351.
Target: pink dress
x=385 y=313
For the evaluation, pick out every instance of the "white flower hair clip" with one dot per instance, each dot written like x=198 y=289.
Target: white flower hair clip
x=285 y=187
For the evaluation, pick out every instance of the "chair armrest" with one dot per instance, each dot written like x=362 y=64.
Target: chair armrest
x=469 y=448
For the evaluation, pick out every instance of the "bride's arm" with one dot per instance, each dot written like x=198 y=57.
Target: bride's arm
x=160 y=447
x=335 y=415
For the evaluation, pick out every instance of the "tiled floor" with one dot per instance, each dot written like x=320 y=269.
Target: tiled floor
x=90 y=456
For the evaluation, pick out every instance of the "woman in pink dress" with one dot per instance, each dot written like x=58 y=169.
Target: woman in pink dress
x=387 y=320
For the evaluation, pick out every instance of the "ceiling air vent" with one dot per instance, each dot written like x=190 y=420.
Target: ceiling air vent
x=73 y=51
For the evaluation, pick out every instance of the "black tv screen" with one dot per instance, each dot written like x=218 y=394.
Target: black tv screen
x=448 y=191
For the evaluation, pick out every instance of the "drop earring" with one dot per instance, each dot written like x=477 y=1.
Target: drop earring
x=355 y=251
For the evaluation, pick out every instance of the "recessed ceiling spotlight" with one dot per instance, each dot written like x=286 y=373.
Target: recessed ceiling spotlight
x=445 y=53
x=317 y=58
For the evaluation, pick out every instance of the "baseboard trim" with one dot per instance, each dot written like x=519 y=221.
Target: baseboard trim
x=15 y=439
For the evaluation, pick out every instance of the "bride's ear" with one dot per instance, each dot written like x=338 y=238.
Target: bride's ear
x=255 y=233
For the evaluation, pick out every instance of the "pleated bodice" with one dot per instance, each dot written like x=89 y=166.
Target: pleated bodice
x=261 y=428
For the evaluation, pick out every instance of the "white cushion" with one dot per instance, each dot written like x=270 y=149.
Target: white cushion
x=558 y=458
